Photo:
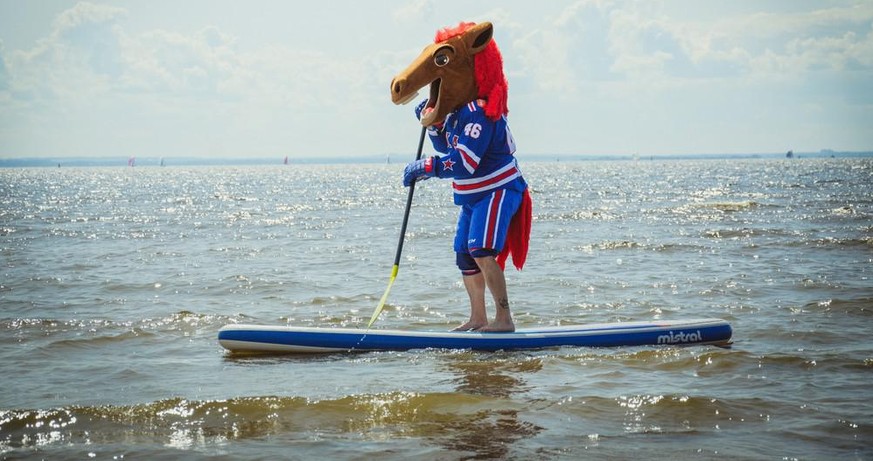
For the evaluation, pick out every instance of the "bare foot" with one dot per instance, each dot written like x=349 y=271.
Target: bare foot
x=501 y=327
x=471 y=326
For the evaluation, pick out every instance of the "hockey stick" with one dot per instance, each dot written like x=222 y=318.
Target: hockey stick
x=396 y=267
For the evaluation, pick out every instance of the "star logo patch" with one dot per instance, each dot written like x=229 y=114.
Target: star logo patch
x=448 y=164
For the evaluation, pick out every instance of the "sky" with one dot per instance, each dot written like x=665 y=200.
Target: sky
x=259 y=78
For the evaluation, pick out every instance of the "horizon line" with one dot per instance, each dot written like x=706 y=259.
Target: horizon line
x=193 y=160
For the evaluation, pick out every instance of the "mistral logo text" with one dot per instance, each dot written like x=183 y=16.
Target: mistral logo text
x=680 y=337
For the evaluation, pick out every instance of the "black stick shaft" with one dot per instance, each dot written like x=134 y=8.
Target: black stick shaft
x=408 y=204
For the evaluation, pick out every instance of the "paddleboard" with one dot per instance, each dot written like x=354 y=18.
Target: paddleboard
x=290 y=339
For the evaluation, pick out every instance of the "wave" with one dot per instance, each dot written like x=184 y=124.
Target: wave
x=723 y=207
x=481 y=426
x=723 y=364
x=748 y=232
x=775 y=237
x=610 y=245
x=52 y=334
x=576 y=215
x=189 y=423
x=835 y=242
x=622 y=245
x=862 y=307
x=732 y=206
x=99 y=341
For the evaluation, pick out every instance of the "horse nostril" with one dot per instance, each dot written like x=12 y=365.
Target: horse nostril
x=397 y=86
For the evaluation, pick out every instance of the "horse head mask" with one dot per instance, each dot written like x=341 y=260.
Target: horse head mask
x=462 y=65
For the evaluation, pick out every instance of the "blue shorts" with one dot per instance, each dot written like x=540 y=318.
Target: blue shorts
x=483 y=225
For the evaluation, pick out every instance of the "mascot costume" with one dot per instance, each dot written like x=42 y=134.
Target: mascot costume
x=465 y=117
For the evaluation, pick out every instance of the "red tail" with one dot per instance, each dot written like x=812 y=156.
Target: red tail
x=518 y=235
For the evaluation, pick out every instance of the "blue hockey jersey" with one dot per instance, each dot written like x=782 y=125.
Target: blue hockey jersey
x=479 y=154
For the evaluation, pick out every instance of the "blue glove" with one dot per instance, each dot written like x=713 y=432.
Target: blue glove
x=420 y=107
x=419 y=169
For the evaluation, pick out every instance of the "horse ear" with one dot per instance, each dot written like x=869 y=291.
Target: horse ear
x=478 y=37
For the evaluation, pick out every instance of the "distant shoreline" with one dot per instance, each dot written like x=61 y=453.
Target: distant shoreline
x=371 y=159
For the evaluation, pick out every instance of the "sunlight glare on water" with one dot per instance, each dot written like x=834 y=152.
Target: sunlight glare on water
x=116 y=281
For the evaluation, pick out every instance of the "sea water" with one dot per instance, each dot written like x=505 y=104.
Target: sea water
x=115 y=282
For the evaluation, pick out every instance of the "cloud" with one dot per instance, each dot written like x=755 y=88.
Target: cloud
x=178 y=65
x=90 y=54
x=86 y=14
x=602 y=40
x=76 y=60
x=95 y=80
x=567 y=49
x=771 y=44
x=413 y=11
x=89 y=47
x=630 y=63
x=748 y=75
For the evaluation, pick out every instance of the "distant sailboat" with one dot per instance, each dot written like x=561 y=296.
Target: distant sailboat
x=286 y=160
x=131 y=161
x=162 y=161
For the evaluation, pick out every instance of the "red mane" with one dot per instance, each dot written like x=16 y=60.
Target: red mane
x=488 y=65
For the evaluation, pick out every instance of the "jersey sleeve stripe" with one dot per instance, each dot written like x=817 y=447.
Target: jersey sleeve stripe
x=470 y=159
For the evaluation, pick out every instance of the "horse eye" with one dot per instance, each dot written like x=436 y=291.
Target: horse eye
x=441 y=60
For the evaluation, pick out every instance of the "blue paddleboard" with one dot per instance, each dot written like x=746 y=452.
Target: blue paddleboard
x=287 y=339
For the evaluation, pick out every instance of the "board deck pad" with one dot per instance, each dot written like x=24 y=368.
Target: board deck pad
x=290 y=339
